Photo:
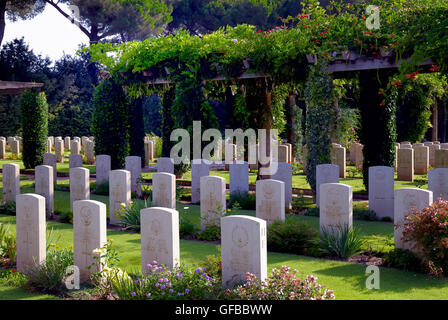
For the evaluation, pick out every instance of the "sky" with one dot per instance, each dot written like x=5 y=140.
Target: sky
x=48 y=34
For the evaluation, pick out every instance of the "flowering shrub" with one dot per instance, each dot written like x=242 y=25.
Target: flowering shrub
x=282 y=285
x=8 y=244
x=162 y=283
x=129 y=216
x=429 y=228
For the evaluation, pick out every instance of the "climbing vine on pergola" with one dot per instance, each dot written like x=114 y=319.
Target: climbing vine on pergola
x=412 y=38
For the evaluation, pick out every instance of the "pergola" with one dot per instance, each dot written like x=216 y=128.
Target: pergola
x=15 y=88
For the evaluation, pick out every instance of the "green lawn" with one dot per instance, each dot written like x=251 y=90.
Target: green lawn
x=60 y=167
x=354 y=178
x=346 y=279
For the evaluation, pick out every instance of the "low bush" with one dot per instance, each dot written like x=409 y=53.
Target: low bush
x=12 y=278
x=403 y=259
x=312 y=212
x=429 y=229
x=246 y=201
x=48 y=277
x=187 y=229
x=281 y=285
x=210 y=233
x=358 y=214
x=8 y=245
x=213 y=265
x=162 y=283
x=129 y=216
x=8 y=208
x=340 y=241
x=181 y=193
x=292 y=236
x=65 y=216
x=364 y=214
x=102 y=188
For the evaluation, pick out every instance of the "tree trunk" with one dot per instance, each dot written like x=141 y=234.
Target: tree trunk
x=137 y=130
x=2 y=19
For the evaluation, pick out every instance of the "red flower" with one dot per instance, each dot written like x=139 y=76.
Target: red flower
x=387 y=22
x=13 y=271
x=259 y=31
x=382 y=104
x=434 y=68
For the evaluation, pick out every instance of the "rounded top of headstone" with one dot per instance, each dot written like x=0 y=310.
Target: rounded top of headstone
x=11 y=165
x=90 y=203
x=102 y=156
x=411 y=190
x=159 y=211
x=163 y=174
x=213 y=178
x=79 y=169
x=29 y=196
x=337 y=186
x=242 y=218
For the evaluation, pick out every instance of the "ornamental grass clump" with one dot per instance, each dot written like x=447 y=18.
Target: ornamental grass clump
x=429 y=229
x=162 y=283
x=341 y=241
x=282 y=285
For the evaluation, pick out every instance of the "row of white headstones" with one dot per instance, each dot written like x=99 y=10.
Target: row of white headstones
x=243 y=237
x=410 y=159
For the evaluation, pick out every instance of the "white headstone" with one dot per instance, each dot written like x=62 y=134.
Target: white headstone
x=284 y=174
x=198 y=169
x=405 y=200
x=31 y=230
x=421 y=159
x=243 y=249
x=164 y=190
x=134 y=166
x=59 y=150
x=103 y=167
x=325 y=173
x=2 y=149
x=50 y=159
x=340 y=160
x=441 y=158
x=11 y=182
x=432 y=158
x=67 y=143
x=45 y=187
x=335 y=206
x=75 y=147
x=381 y=191
x=15 y=147
x=165 y=165
x=270 y=200
x=213 y=200
x=405 y=169
x=438 y=183
x=160 y=237
x=119 y=191
x=239 y=177
x=89 y=233
x=79 y=185
x=75 y=161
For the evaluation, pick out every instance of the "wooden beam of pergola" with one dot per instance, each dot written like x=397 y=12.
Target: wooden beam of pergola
x=14 y=87
x=354 y=63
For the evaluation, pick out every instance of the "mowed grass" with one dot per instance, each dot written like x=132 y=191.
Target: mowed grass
x=346 y=279
x=354 y=177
